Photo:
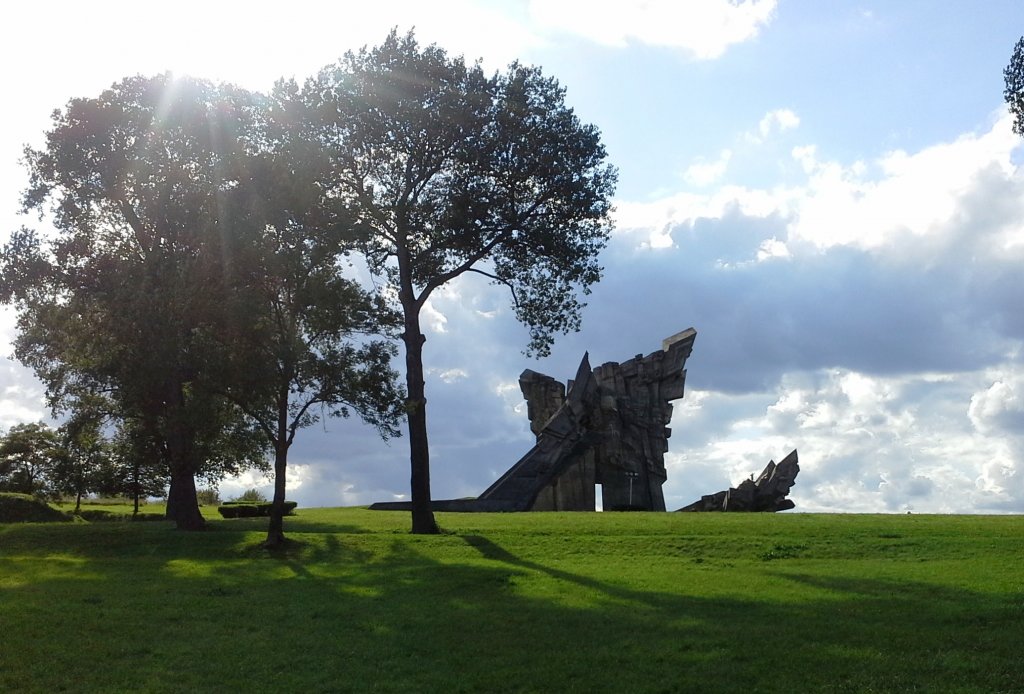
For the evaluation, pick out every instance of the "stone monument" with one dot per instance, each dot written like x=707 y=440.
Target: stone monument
x=607 y=427
x=766 y=493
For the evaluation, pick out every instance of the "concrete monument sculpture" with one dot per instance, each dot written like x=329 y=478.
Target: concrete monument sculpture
x=608 y=428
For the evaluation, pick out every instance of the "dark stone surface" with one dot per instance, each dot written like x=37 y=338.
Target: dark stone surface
x=766 y=493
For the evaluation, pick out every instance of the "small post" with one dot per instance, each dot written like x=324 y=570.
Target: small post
x=632 y=476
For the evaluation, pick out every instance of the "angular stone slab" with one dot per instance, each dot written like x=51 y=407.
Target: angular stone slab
x=765 y=494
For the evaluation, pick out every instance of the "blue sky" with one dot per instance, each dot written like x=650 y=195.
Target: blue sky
x=829 y=193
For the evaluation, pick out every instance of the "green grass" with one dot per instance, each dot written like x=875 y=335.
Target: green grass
x=123 y=509
x=518 y=602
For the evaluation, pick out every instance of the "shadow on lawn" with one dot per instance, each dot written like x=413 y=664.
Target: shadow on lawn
x=374 y=612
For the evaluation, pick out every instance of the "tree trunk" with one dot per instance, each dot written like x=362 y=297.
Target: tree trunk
x=275 y=530
x=423 y=522
x=419 y=453
x=182 y=505
x=135 y=487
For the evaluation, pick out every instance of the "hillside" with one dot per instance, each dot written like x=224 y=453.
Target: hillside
x=518 y=602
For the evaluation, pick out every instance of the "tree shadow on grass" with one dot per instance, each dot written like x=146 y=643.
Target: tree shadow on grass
x=292 y=525
x=872 y=634
x=378 y=612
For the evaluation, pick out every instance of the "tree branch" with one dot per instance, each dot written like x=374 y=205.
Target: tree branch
x=511 y=287
x=464 y=267
x=143 y=236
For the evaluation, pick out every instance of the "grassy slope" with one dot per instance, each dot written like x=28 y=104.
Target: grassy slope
x=518 y=602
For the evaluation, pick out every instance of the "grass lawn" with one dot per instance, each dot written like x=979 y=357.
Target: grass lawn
x=123 y=509
x=544 y=602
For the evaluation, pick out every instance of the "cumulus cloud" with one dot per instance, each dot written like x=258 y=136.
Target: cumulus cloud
x=1000 y=407
x=449 y=375
x=774 y=122
x=21 y=395
x=930 y=193
x=917 y=193
x=866 y=444
x=21 y=400
x=703 y=28
x=704 y=173
x=252 y=52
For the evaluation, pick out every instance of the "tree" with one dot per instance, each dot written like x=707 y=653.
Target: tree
x=113 y=304
x=1013 y=76
x=83 y=455
x=136 y=468
x=296 y=336
x=27 y=456
x=449 y=171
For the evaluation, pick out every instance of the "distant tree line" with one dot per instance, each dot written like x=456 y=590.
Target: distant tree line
x=74 y=461
x=195 y=298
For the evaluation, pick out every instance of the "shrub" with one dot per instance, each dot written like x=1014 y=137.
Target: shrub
x=240 y=509
x=208 y=497
x=93 y=515
x=254 y=496
x=137 y=517
x=22 y=508
x=112 y=501
x=101 y=516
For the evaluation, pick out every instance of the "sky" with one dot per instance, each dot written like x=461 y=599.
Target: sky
x=829 y=193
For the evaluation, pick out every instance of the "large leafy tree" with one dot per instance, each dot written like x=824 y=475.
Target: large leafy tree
x=452 y=171
x=299 y=338
x=112 y=304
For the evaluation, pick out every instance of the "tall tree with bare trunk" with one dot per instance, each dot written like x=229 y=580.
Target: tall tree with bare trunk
x=449 y=171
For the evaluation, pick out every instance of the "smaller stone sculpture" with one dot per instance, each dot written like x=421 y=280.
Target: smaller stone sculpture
x=766 y=493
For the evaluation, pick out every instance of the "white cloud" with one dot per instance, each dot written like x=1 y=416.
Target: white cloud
x=432 y=319
x=999 y=407
x=704 y=173
x=449 y=375
x=886 y=347
x=866 y=444
x=245 y=44
x=778 y=120
x=704 y=28
x=19 y=408
x=652 y=222
x=772 y=248
x=925 y=194
x=917 y=193
x=21 y=395
x=773 y=122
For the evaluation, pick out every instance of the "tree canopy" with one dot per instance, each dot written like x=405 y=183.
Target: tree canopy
x=1013 y=76
x=195 y=283
x=28 y=454
x=112 y=304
